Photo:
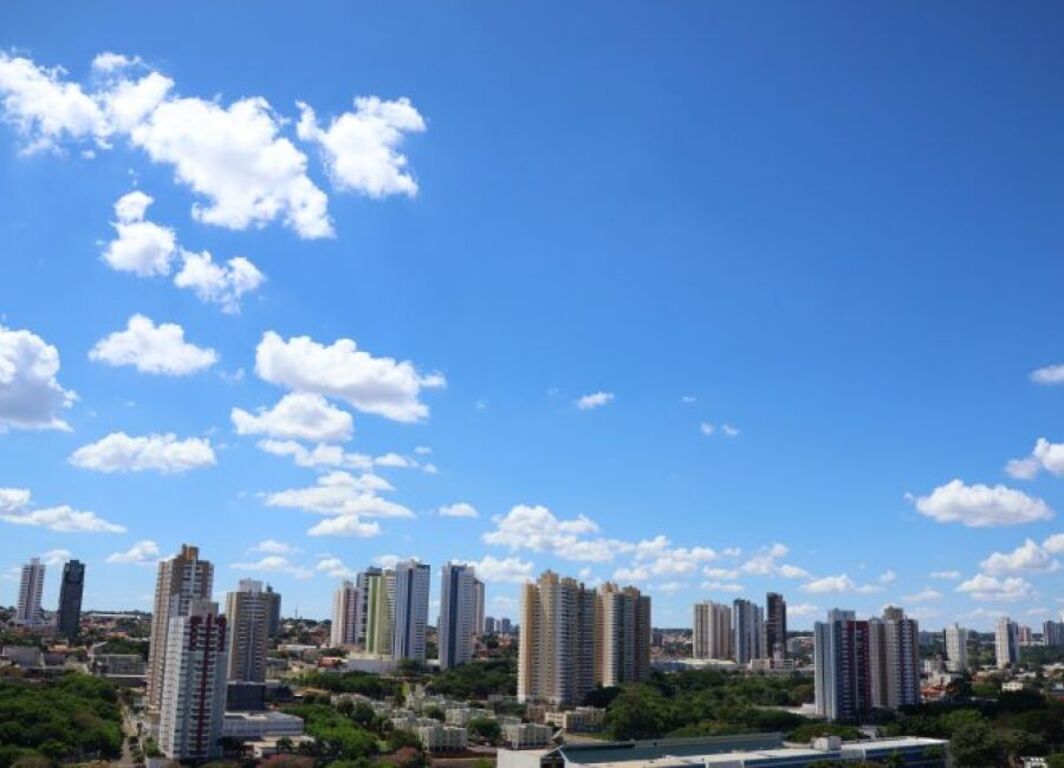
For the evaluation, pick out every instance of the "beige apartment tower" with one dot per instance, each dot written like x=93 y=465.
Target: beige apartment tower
x=622 y=636
x=247 y=612
x=712 y=631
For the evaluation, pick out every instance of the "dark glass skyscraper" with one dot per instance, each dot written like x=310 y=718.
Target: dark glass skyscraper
x=68 y=620
x=776 y=627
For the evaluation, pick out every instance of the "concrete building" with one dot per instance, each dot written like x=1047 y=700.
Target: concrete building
x=345 y=615
x=376 y=620
x=712 y=637
x=956 y=648
x=30 y=587
x=556 y=651
x=1006 y=642
x=248 y=613
x=764 y=750
x=478 y=607
x=894 y=660
x=505 y=627
x=578 y=720
x=842 y=678
x=274 y=622
x=775 y=627
x=181 y=580
x=458 y=614
x=748 y=624
x=193 y=690
x=622 y=636
x=411 y=610
x=257 y=726
x=68 y=617
x=437 y=737
x=527 y=735
x=1053 y=634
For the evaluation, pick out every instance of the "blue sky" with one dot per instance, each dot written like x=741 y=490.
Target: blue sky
x=808 y=256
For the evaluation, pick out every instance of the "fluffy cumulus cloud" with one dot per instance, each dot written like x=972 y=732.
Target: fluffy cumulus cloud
x=458 y=509
x=1050 y=374
x=144 y=552
x=320 y=456
x=150 y=348
x=31 y=396
x=594 y=400
x=274 y=547
x=147 y=249
x=346 y=500
x=298 y=416
x=511 y=570
x=346 y=525
x=15 y=508
x=841 y=584
x=119 y=452
x=1028 y=557
x=274 y=564
x=379 y=385
x=360 y=148
x=236 y=157
x=536 y=528
x=335 y=568
x=980 y=506
x=1045 y=455
x=923 y=596
x=993 y=589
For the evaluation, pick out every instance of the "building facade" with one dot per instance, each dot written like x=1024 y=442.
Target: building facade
x=411 y=610
x=748 y=624
x=775 y=627
x=1006 y=642
x=622 y=636
x=193 y=689
x=956 y=648
x=180 y=580
x=1053 y=634
x=247 y=612
x=842 y=675
x=31 y=585
x=894 y=659
x=71 y=589
x=345 y=615
x=458 y=614
x=712 y=637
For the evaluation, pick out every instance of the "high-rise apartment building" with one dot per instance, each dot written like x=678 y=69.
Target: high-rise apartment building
x=376 y=619
x=1006 y=642
x=30 y=587
x=274 y=622
x=180 y=580
x=345 y=615
x=1053 y=634
x=193 y=687
x=458 y=614
x=622 y=636
x=842 y=674
x=247 y=613
x=556 y=651
x=411 y=610
x=68 y=618
x=712 y=631
x=775 y=627
x=478 y=607
x=894 y=660
x=956 y=649
x=748 y=623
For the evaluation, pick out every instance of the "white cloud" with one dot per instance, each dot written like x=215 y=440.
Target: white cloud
x=321 y=455
x=216 y=283
x=109 y=61
x=458 y=509
x=839 y=585
x=118 y=452
x=274 y=547
x=990 y=588
x=235 y=158
x=766 y=563
x=887 y=577
x=15 y=508
x=706 y=428
x=508 y=569
x=1051 y=374
x=30 y=395
x=55 y=557
x=144 y=552
x=721 y=586
x=298 y=415
x=157 y=349
x=142 y=247
x=537 y=529
x=720 y=574
x=423 y=450
x=979 y=506
x=1045 y=455
x=946 y=575
x=334 y=567
x=670 y=587
x=359 y=148
x=379 y=385
x=1027 y=557
x=923 y=596
x=1054 y=544
x=802 y=609
x=688 y=399
x=274 y=564
x=345 y=525
x=394 y=460
x=341 y=493
x=594 y=400
x=730 y=430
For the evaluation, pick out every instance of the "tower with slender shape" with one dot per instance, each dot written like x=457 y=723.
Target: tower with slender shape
x=411 y=610
x=894 y=659
x=345 y=615
x=748 y=622
x=68 y=617
x=622 y=636
x=842 y=676
x=247 y=613
x=712 y=631
x=458 y=619
x=30 y=587
x=775 y=627
x=180 y=580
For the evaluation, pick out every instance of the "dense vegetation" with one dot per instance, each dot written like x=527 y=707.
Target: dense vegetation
x=351 y=735
x=373 y=686
x=120 y=645
x=478 y=679
x=74 y=717
x=702 y=702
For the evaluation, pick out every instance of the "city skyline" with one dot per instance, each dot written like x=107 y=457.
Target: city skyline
x=530 y=324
